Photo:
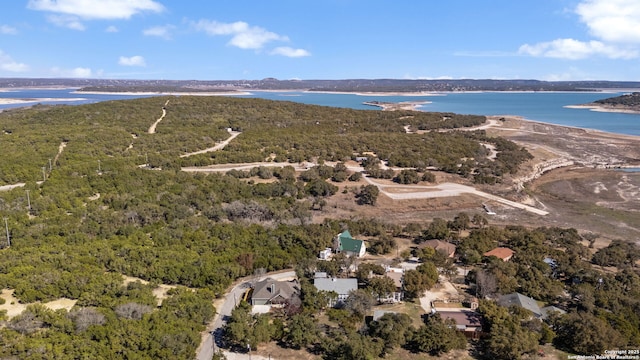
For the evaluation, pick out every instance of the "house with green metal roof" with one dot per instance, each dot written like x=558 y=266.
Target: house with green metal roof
x=346 y=244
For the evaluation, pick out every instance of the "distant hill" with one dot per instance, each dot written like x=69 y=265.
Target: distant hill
x=348 y=85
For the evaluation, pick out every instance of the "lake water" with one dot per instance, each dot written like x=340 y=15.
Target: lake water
x=539 y=106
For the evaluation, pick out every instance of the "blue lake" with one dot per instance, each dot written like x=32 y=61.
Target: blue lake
x=540 y=106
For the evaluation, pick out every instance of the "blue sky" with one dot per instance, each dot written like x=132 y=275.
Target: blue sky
x=322 y=39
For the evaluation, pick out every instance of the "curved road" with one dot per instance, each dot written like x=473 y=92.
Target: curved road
x=211 y=340
x=152 y=128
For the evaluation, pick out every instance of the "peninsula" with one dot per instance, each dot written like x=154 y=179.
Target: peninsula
x=627 y=103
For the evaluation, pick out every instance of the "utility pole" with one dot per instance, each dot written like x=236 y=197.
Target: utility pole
x=28 y=201
x=44 y=174
x=6 y=226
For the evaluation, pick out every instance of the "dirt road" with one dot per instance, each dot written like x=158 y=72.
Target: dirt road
x=152 y=128
x=220 y=146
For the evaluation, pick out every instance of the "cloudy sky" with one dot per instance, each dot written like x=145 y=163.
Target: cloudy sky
x=321 y=39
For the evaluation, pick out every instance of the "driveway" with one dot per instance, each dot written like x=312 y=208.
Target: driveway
x=213 y=338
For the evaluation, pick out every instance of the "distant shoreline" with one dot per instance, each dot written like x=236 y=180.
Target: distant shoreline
x=390 y=106
x=160 y=93
x=37 y=100
x=601 y=108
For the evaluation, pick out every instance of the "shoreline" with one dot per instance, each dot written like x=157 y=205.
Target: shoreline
x=11 y=101
x=569 y=127
x=160 y=93
x=600 y=108
x=390 y=106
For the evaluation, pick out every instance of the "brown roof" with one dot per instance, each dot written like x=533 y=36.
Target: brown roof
x=466 y=317
x=501 y=253
x=438 y=245
x=396 y=277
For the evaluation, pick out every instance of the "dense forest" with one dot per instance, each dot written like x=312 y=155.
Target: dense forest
x=103 y=198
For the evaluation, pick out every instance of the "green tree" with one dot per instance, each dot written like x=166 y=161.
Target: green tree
x=438 y=229
x=584 y=333
x=368 y=195
x=436 y=337
x=359 y=303
x=393 y=328
x=416 y=282
x=301 y=332
x=381 y=286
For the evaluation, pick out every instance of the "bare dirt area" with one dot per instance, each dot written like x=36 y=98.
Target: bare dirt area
x=573 y=177
x=605 y=202
x=14 y=308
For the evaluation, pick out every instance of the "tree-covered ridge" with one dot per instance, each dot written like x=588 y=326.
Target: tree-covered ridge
x=627 y=100
x=271 y=130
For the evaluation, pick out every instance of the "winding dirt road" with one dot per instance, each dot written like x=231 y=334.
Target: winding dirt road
x=152 y=128
x=220 y=146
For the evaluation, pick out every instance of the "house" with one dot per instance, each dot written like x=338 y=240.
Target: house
x=325 y=254
x=548 y=310
x=377 y=314
x=398 y=294
x=342 y=287
x=505 y=254
x=346 y=244
x=442 y=246
x=522 y=301
x=467 y=321
x=272 y=292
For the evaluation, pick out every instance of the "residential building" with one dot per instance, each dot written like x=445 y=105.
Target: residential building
x=522 y=301
x=342 y=287
x=505 y=254
x=346 y=244
x=467 y=321
x=272 y=292
x=325 y=254
x=442 y=246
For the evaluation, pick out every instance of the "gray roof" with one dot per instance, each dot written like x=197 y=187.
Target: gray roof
x=522 y=301
x=547 y=310
x=270 y=289
x=377 y=314
x=340 y=286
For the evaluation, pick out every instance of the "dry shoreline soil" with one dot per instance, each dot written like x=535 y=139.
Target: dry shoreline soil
x=572 y=176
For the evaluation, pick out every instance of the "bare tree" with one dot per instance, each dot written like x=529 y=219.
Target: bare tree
x=486 y=284
x=25 y=323
x=132 y=310
x=85 y=317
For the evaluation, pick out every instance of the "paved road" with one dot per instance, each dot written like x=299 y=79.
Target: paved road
x=446 y=190
x=213 y=338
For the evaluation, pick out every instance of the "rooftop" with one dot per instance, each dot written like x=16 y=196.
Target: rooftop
x=501 y=253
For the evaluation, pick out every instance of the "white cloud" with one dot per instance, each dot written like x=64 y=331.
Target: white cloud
x=574 y=50
x=290 y=52
x=10 y=65
x=8 y=30
x=112 y=29
x=78 y=72
x=92 y=9
x=612 y=20
x=70 y=22
x=132 y=61
x=242 y=35
x=160 y=31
